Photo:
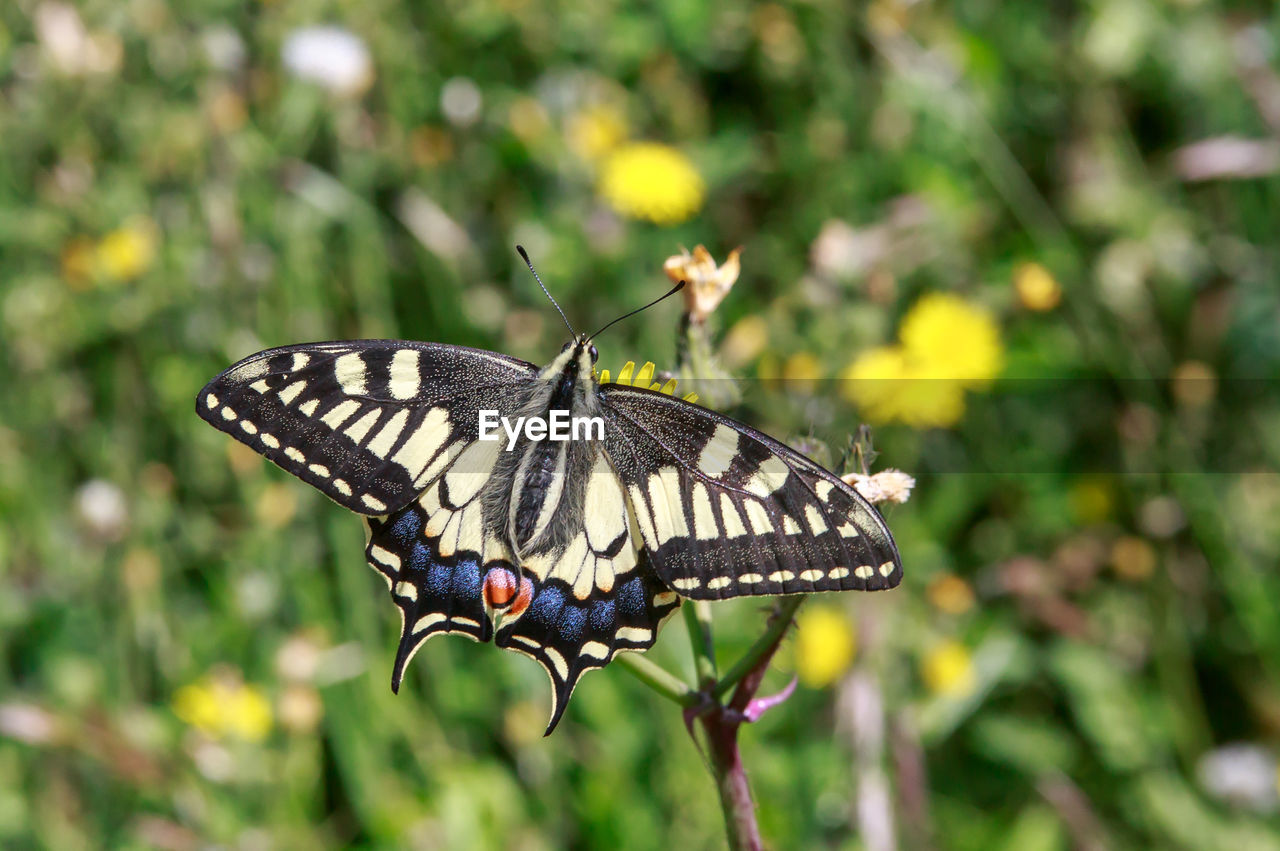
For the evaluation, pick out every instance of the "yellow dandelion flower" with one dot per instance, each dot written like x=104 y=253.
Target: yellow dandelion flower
x=127 y=252
x=947 y=670
x=222 y=706
x=646 y=180
x=947 y=337
x=825 y=645
x=947 y=346
x=1037 y=289
x=887 y=385
x=801 y=372
x=595 y=131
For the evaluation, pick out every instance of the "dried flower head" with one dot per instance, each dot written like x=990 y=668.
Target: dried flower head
x=708 y=283
x=889 y=485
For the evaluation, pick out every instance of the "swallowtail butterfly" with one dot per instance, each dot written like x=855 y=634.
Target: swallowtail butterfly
x=566 y=551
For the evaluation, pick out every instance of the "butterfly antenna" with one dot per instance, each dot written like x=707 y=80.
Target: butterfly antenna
x=524 y=256
x=669 y=293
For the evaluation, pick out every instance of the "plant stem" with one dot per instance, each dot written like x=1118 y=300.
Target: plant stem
x=763 y=646
x=658 y=678
x=697 y=617
x=725 y=759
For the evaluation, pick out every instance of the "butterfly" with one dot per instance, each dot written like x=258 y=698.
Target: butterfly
x=568 y=551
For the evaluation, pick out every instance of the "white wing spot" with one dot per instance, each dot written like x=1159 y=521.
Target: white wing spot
x=811 y=575
x=781 y=576
x=426 y=440
x=864 y=571
x=685 y=584
x=556 y=660
x=340 y=413
x=664 y=598
x=270 y=441
x=406 y=590
x=375 y=504
x=405 y=378
x=595 y=650
x=847 y=530
x=732 y=519
x=704 y=520
x=248 y=427
x=360 y=429
x=342 y=487
x=637 y=634
x=838 y=573
x=300 y=359
x=758 y=518
x=718 y=454
x=211 y=401
x=790 y=526
x=386 y=438
x=260 y=385
x=719 y=582
x=823 y=489
x=886 y=568
x=309 y=408
x=320 y=470
x=814 y=518
x=750 y=579
x=228 y=414
x=295 y=454
x=428 y=620
x=288 y=394
x=350 y=372
x=771 y=475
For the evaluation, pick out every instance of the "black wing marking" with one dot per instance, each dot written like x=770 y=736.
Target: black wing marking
x=367 y=422
x=726 y=511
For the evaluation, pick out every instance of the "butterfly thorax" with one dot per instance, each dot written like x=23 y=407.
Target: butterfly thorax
x=538 y=486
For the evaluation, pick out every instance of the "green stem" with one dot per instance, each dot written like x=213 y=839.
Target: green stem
x=766 y=643
x=658 y=678
x=697 y=617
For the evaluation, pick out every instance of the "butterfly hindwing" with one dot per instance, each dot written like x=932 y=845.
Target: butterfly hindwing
x=571 y=611
x=367 y=422
x=726 y=511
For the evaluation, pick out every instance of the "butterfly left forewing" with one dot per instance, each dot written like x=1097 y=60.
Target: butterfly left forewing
x=726 y=511
x=367 y=422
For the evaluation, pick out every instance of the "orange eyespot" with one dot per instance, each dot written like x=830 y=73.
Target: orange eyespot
x=500 y=587
x=522 y=599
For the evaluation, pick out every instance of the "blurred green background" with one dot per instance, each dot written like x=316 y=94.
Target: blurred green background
x=1035 y=244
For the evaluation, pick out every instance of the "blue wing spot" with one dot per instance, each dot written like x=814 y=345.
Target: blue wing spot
x=466 y=579
x=406 y=529
x=631 y=599
x=546 y=606
x=603 y=616
x=419 y=558
x=573 y=622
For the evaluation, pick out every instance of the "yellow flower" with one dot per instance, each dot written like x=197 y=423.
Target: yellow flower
x=221 y=706
x=825 y=645
x=595 y=131
x=947 y=670
x=78 y=261
x=707 y=284
x=127 y=252
x=1133 y=558
x=1091 y=500
x=951 y=594
x=745 y=341
x=946 y=337
x=527 y=119
x=801 y=372
x=886 y=386
x=947 y=346
x=1037 y=289
x=646 y=180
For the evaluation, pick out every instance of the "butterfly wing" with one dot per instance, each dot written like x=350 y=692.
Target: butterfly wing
x=367 y=422
x=571 y=610
x=727 y=511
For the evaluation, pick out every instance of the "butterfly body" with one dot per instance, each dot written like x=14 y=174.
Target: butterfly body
x=568 y=551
